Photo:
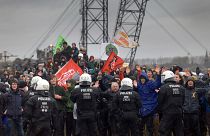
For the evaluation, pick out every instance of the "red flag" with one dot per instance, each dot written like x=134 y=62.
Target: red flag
x=113 y=62
x=69 y=71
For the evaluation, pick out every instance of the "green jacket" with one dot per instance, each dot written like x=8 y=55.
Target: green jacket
x=59 y=91
x=68 y=103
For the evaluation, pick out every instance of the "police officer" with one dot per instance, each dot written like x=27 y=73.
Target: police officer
x=170 y=100
x=129 y=104
x=31 y=92
x=86 y=98
x=40 y=110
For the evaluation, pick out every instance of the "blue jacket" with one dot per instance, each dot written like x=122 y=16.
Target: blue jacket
x=148 y=95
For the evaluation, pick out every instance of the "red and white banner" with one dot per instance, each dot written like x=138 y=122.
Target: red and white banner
x=69 y=71
x=113 y=62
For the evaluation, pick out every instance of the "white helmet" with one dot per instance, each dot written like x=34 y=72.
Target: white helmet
x=85 y=79
x=126 y=84
x=42 y=85
x=167 y=75
x=34 y=80
x=80 y=55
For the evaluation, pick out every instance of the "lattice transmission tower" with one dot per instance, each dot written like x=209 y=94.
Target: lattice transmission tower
x=130 y=18
x=94 y=22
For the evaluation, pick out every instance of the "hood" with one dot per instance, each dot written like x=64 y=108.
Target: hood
x=190 y=79
x=144 y=75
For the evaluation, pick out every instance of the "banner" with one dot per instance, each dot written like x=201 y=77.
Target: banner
x=106 y=49
x=122 y=39
x=69 y=71
x=113 y=62
x=59 y=44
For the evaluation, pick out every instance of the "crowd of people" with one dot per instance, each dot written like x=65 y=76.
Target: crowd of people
x=139 y=101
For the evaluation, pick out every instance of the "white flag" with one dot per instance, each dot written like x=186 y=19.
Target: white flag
x=122 y=39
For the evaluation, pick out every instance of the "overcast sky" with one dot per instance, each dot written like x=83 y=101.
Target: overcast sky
x=23 y=22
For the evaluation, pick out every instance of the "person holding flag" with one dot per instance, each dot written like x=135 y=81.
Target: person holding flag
x=113 y=62
x=67 y=51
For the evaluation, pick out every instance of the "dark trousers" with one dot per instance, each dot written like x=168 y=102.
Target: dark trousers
x=128 y=124
x=40 y=129
x=87 y=126
x=191 y=125
x=203 y=125
x=15 y=124
x=208 y=121
x=103 y=123
x=171 y=122
x=113 y=127
x=70 y=124
x=1 y=130
x=59 y=124
x=1 y=127
x=148 y=122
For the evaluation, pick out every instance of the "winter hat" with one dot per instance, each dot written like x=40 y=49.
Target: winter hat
x=22 y=84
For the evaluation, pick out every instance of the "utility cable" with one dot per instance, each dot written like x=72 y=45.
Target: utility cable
x=169 y=34
x=181 y=25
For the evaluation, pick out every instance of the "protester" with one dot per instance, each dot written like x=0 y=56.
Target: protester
x=148 y=95
x=67 y=51
x=70 y=122
x=191 y=110
x=14 y=110
x=103 y=116
x=58 y=93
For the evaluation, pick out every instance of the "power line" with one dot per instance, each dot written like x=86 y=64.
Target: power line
x=169 y=34
x=35 y=43
x=52 y=29
x=75 y=16
x=181 y=25
x=56 y=24
x=74 y=26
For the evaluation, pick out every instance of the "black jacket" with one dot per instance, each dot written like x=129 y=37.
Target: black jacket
x=13 y=104
x=171 y=98
x=191 y=102
x=40 y=108
x=2 y=105
x=86 y=99
x=128 y=102
x=59 y=91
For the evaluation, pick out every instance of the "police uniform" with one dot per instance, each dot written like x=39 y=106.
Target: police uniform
x=40 y=111
x=86 y=99
x=129 y=104
x=170 y=100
